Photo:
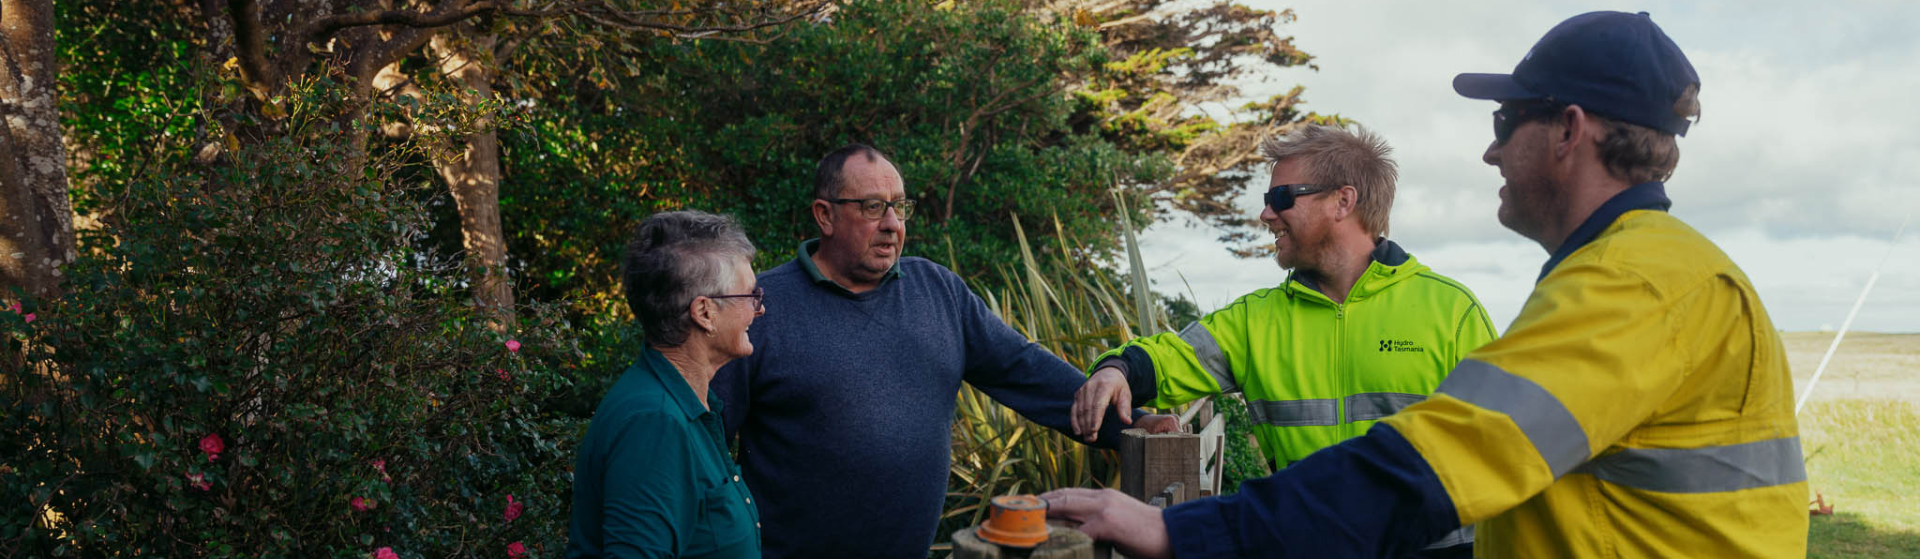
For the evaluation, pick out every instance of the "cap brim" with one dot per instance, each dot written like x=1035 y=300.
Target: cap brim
x=1493 y=87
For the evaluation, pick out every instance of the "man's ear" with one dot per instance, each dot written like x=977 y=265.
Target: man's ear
x=823 y=216
x=1574 y=128
x=1349 y=201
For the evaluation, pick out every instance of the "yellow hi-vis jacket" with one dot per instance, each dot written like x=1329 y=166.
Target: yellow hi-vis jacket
x=1315 y=372
x=1639 y=406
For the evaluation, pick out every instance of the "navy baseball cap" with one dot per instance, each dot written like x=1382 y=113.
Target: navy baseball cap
x=1613 y=64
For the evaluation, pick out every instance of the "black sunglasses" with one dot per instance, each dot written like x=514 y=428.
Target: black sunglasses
x=759 y=298
x=1281 y=197
x=1511 y=115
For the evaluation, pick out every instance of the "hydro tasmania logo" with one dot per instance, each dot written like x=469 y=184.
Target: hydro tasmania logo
x=1400 y=346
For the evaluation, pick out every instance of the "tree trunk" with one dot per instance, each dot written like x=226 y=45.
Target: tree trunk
x=36 y=219
x=473 y=174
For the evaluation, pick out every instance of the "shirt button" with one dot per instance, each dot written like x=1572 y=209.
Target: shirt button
x=736 y=478
x=749 y=500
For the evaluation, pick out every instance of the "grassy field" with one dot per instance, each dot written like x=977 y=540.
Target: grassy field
x=1861 y=434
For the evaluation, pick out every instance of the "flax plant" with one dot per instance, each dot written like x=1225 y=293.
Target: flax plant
x=1067 y=305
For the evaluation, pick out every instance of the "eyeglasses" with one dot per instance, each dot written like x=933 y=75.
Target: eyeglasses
x=1511 y=115
x=759 y=298
x=874 y=209
x=1281 y=197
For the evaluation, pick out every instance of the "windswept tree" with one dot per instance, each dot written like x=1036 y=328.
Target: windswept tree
x=440 y=57
x=1174 y=87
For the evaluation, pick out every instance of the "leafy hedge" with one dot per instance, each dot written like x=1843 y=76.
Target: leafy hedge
x=253 y=358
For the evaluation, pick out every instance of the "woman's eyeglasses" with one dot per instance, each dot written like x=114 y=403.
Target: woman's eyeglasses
x=759 y=298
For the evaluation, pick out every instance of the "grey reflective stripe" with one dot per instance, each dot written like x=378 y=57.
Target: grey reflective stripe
x=1555 y=434
x=1375 y=405
x=1293 y=413
x=1211 y=358
x=1462 y=536
x=1712 y=469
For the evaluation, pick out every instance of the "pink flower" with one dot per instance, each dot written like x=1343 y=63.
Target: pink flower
x=514 y=509
x=516 y=550
x=213 y=446
x=503 y=374
x=362 y=504
x=199 y=481
x=381 y=466
x=513 y=346
x=14 y=306
x=385 y=553
x=29 y=318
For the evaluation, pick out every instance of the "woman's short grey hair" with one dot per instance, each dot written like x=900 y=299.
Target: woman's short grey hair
x=673 y=258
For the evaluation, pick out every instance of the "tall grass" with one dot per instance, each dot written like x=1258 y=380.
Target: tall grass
x=1067 y=305
x=1861 y=457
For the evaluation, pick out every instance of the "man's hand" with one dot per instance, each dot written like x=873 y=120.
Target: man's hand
x=1135 y=528
x=1158 y=423
x=1107 y=386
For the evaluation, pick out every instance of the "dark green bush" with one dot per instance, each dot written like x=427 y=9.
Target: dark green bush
x=246 y=347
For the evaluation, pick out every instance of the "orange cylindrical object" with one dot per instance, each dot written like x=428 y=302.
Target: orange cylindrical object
x=1016 y=521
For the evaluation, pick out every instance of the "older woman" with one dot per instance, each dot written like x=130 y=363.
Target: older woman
x=653 y=478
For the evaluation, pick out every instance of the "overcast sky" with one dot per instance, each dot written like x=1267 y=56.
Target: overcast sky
x=1805 y=161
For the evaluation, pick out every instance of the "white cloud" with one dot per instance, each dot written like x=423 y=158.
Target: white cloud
x=1807 y=158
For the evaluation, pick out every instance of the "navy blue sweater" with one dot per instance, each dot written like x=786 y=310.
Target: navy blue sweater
x=844 y=411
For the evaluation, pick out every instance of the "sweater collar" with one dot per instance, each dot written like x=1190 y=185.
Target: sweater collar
x=805 y=259
x=1643 y=196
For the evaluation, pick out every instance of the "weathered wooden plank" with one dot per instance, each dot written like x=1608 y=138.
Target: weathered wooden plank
x=1150 y=463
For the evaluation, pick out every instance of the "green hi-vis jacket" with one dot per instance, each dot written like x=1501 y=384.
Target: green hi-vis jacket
x=1315 y=372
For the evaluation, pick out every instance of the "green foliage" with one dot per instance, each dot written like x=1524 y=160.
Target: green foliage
x=968 y=101
x=1244 y=461
x=1077 y=311
x=276 y=300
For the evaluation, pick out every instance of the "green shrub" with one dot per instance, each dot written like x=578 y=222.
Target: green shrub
x=253 y=358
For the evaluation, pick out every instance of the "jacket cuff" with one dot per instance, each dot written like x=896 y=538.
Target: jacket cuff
x=1140 y=378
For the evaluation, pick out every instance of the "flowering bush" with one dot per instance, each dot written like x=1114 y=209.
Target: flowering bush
x=256 y=358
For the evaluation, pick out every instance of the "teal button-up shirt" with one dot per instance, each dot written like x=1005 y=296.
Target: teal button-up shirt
x=654 y=479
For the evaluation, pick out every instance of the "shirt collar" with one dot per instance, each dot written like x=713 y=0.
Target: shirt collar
x=1643 y=196
x=676 y=385
x=805 y=258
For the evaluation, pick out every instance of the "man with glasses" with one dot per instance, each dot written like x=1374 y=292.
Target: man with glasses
x=844 y=411
x=1639 y=406
x=1357 y=331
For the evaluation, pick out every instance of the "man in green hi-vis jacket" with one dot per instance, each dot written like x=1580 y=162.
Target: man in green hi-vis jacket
x=1359 y=330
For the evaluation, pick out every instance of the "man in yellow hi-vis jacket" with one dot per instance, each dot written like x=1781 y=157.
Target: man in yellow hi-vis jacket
x=1639 y=406
x=1359 y=330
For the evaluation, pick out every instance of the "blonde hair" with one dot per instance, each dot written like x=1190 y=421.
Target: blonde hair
x=1336 y=156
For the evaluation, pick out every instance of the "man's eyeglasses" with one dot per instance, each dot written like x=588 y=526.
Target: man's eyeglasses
x=874 y=209
x=1281 y=197
x=759 y=298
x=1513 y=114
